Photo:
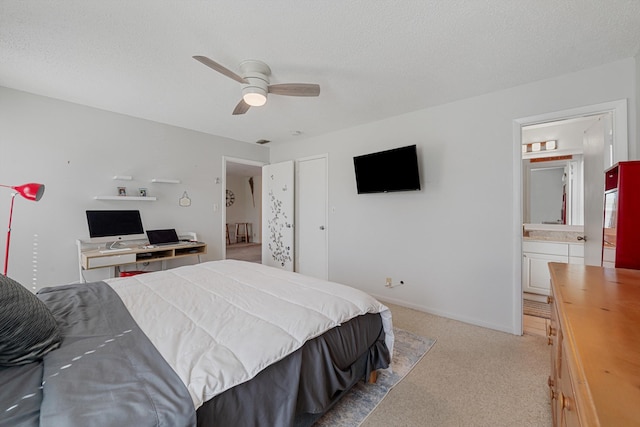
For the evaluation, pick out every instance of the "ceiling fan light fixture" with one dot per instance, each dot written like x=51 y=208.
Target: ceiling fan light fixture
x=254 y=96
x=254 y=77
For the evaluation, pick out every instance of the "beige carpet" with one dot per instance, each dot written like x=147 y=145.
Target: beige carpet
x=472 y=377
x=360 y=401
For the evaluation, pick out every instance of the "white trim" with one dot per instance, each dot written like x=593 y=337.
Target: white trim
x=617 y=108
x=226 y=159
x=516 y=250
x=621 y=151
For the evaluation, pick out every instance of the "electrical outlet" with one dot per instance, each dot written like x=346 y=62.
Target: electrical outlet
x=389 y=282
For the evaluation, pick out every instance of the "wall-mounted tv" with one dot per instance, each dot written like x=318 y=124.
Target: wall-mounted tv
x=387 y=171
x=114 y=225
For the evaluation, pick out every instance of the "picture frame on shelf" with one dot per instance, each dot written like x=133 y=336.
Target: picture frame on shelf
x=142 y=192
x=122 y=191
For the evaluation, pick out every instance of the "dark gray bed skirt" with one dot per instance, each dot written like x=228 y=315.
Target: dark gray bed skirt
x=297 y=390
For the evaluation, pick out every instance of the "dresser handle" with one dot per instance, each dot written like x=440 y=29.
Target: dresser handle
x=551 y=332
x=549 y=299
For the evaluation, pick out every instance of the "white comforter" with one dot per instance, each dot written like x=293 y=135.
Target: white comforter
x=220 y=323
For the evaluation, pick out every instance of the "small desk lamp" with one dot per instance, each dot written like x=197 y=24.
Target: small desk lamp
x=30 y=191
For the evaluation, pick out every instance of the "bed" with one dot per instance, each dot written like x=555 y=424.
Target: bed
x=222 y=343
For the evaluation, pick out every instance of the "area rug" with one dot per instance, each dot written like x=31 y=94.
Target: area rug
x=363 y=398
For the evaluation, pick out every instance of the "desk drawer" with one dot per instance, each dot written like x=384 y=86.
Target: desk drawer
x=110 y=260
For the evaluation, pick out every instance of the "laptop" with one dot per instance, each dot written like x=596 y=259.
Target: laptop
x=163 y=237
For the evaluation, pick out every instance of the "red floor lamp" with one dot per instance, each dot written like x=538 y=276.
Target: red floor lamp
x=30 y=191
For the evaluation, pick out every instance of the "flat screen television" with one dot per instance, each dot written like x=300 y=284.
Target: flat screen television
x=115 y=225
x=387 y=171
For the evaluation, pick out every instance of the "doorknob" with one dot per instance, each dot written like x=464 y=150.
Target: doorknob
x=322 y=227
x=584 y=238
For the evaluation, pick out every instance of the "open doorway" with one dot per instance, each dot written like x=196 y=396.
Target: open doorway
x=242 y=219
x=581 y=237
x=554 y=190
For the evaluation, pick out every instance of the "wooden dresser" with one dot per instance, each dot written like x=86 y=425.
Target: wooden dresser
x=595 y=346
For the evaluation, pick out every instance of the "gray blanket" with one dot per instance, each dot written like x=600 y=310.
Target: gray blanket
x=106 y=372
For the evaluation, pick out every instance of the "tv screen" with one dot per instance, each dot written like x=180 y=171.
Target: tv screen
x=387 y=171
x=116 y=223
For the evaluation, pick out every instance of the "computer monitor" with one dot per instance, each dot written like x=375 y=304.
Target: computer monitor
x=114 y=225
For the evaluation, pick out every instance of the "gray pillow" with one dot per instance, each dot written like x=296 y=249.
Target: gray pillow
x=28 y=329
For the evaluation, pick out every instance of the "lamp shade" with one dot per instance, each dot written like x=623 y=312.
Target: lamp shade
x=31 y=191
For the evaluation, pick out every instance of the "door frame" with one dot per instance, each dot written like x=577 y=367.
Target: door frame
x=618 y=110
x=223 y=197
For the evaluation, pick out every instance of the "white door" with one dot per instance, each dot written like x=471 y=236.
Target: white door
x=594 y=167
x=311 y=217
x=277 y=215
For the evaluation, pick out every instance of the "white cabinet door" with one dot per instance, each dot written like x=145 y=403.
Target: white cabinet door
x=535 y=272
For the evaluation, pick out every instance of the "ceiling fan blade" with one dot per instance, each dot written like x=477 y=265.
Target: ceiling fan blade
x=241 y=108
x=220 y=68
x=295 y=89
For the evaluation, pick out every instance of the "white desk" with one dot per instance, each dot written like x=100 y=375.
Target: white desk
x=92 y=258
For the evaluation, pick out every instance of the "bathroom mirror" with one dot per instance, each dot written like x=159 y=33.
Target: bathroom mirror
x=553 y=191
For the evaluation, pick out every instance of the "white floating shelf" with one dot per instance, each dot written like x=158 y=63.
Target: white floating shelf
x=126 y=198
x=123 y=178
x=165 y=181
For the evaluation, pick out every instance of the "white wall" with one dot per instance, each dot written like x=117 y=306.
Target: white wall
x=454 y=242
x=75 y=151
x=569 y=136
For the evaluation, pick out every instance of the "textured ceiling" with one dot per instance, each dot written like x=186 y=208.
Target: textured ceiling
x=372 y=58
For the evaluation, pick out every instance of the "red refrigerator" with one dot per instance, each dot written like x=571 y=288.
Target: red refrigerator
x=621 y=231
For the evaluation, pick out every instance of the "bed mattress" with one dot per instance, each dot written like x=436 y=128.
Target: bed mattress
x=223 y=322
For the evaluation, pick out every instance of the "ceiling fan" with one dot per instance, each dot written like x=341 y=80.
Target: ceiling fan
x=254 y=76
